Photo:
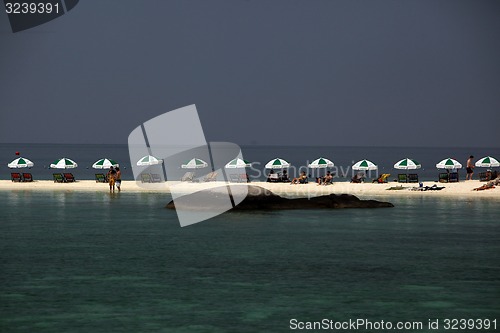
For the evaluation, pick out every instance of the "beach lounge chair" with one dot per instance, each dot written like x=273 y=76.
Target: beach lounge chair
x=244 y=178
x=100 y=178
x=27 y=177
x=483 y=177
x=156 y=178
x=146 y=178
x=15 y=177
x=58 y=177
x=68 y=177
x=210 y=177
x=382 y=178
x=273 y=178
x=443 y=177
x=453 y=177
x=234 y=178
x=188 y=177
x=355 y=180
x=241 y=178
x=412 y=178
x=487 y=176
x=358 y=178
x=402 y=178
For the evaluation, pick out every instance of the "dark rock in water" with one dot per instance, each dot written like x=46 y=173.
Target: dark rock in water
x=259 y=198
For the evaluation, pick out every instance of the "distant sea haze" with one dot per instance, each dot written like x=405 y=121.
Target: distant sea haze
x=343 y=158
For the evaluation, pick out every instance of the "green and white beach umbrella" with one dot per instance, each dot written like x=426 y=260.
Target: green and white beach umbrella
x=149 y=160
x=238 y=163
x=407 y=164
x=20 y=162
x=277 y=163
x=105 y=163
x=449 y=163
x=64 y=163
x=488 y=162
x=321 y=163
x=195 y=163
x=364 y=165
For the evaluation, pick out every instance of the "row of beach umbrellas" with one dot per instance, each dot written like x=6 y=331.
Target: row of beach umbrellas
x=277 y=163
x=61 y=163
x=105 y=163
x=404 y=164
x=447 y=163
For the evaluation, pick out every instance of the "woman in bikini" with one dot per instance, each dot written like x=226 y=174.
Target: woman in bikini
x=111 y=179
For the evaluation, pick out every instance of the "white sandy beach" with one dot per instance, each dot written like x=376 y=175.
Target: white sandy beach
x=462 y=189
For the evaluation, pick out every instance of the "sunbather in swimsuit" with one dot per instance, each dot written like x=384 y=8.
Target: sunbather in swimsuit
x=485 y=187
x=301 y=179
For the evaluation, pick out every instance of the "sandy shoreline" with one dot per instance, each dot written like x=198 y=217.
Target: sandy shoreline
x=462 y=189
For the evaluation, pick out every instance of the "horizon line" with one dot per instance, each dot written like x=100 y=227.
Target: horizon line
x=260 y=145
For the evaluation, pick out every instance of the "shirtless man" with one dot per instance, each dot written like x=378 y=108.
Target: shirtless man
x=118 y=179
x=327 y=179
x=470 y=168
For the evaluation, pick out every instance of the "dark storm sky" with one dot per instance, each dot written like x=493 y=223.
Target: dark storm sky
x=296 y=72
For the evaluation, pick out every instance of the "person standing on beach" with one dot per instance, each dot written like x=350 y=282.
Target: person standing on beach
x=470 y=168
x=118 y=179
x=111 y=179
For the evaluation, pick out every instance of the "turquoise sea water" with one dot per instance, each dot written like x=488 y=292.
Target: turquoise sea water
x=97 y=262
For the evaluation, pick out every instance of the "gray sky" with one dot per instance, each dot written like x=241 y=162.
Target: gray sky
x=295 y=72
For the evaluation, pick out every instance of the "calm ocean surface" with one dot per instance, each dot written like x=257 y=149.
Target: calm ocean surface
x=100 y=262
x=343 y=157
x=95 y=262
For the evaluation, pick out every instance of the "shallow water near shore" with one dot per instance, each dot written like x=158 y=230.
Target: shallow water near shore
x=98 y=262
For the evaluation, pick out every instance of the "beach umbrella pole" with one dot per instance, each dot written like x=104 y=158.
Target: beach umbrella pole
x=164 y=171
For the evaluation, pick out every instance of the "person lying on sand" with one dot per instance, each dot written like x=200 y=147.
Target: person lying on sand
x=428 y=188
x=484 y=187
x=489 y=185
x=495 y=181
x=396 y=188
